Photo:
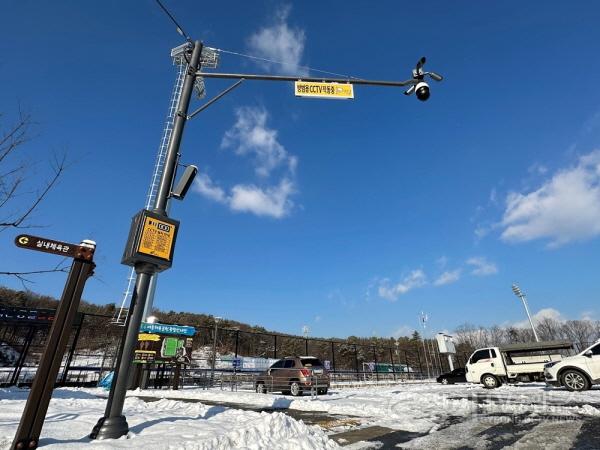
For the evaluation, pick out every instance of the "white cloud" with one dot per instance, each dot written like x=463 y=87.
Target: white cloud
x=279 y=42
x=204 y=185
x=403 y=330
x=273 y=201
x=448 y=277
x=545 y=313
x=481 y=266
x=251 y=135
x=565 y=208
x=414 y=280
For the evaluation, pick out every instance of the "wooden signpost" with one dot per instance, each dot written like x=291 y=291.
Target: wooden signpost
x=32 y=420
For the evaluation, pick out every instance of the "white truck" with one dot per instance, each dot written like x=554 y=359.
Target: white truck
x=493 y=366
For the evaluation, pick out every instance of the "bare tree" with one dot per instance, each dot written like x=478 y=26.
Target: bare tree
x=580 y=331
x=549 y=329
x=20 y=190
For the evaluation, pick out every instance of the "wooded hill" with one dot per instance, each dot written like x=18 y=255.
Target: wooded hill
x=13 y=298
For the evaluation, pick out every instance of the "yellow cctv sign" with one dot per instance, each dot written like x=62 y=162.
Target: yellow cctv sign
x=324 y=90
x=157 y=238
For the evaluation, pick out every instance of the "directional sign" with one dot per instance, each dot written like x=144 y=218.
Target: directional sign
x=324 y=90
x=51 y=246
x=167 y=329
x=237 y=363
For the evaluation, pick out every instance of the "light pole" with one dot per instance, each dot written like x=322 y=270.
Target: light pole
x=151 y=243
x=305 y=331
x=517 y=290
x=113 y=424
x=214 y=352
x=424 y=319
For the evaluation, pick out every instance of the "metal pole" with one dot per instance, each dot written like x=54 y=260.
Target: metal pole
x=537 y=339
x=426 y=361
x=237 y=342
x=450 y=363
x=333 y=356
x=392 y=359
x=375 y=362
x=356 y=362
x=214 y=354
x=23 y=356
x=71 y=352
x=247 y=76
x=114 y=425
x=166 y=181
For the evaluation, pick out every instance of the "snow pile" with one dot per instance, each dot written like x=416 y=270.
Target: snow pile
x=413 y=407
x=163 y=424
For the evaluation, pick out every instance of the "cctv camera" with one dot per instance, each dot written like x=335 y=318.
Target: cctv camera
x=422 y=91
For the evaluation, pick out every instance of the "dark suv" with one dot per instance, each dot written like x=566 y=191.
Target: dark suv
x=293 y=375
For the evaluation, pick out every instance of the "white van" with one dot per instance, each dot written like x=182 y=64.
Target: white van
x=493 y=366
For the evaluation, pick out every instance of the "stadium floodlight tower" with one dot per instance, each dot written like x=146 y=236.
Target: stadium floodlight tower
x=517 y=291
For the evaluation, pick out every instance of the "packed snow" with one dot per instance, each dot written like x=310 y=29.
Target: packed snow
x=165 y=424
x=437 y=416
x=417 y=407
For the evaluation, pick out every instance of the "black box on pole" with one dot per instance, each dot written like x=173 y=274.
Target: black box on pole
x=151 y=240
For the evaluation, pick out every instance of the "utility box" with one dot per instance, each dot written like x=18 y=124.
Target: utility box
x=151 y=240
x=445 y=343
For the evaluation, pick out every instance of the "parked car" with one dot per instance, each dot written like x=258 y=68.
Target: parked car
x=456 y=376
x=294 y=375
x=576 y=373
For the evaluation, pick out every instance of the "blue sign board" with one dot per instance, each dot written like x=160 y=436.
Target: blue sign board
x=162 y=328
x=237 y=363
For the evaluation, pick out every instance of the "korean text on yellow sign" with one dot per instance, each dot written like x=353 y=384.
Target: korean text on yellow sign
x=324 y=90
x=157 y=238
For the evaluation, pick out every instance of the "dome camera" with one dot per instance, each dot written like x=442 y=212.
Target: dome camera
x=422 y=91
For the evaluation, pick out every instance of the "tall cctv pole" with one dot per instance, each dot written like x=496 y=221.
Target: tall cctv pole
x=114 y=424
x=517 y=291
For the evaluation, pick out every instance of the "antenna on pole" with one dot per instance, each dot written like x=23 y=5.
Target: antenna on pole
x=178 y=27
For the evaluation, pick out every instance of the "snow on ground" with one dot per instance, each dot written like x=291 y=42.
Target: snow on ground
x=165 y=424
x=413 y=407
x=437 y=416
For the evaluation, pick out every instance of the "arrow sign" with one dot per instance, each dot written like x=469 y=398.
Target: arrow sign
x=51 y=246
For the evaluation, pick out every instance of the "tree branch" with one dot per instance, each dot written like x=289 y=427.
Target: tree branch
x=17 y=223
x=21 y=276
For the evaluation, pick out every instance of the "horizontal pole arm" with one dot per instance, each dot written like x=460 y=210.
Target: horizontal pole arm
x=308 y=79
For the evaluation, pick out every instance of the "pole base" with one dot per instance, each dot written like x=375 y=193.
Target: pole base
x=110 y=428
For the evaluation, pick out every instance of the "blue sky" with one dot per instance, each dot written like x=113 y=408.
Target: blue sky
x=348 y=216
